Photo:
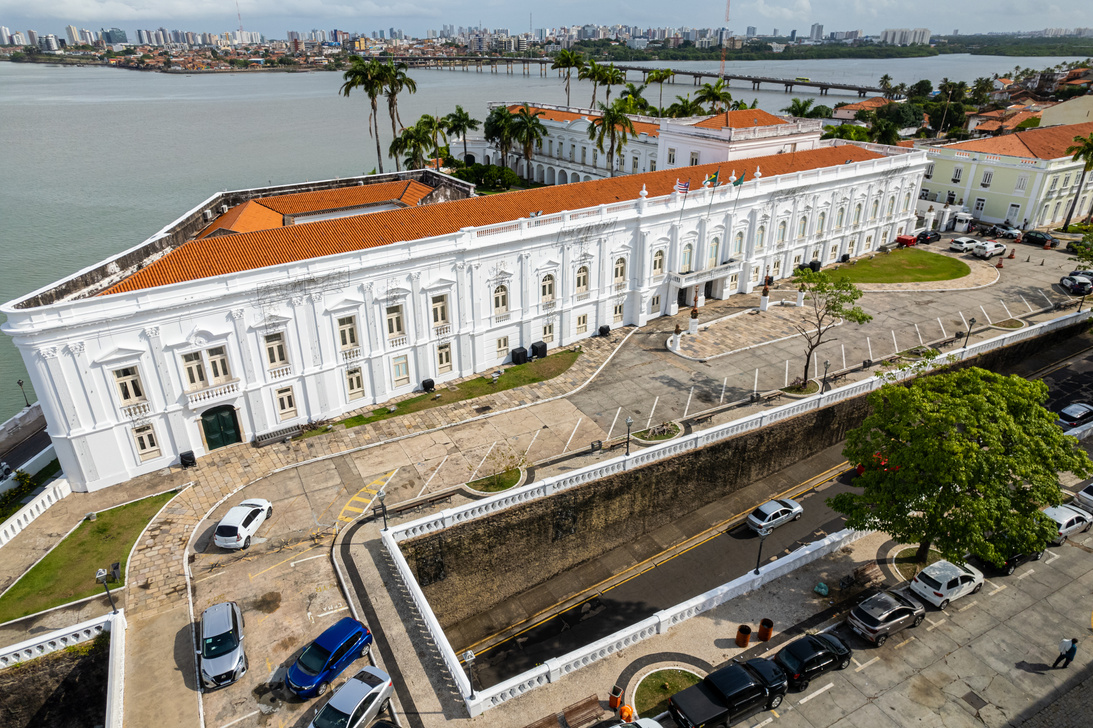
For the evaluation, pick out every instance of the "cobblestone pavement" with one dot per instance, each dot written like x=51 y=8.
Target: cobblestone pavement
x=1072 y=709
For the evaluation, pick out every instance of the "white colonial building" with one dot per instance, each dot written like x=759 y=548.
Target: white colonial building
x=262 y=309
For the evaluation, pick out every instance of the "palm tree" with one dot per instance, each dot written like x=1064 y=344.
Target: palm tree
x=659 y=76
x=593 y=72
x=636 y=103
x=899 y=90
x=568 y=60
x=612 y=76
x=981 y=90
x=885 y=84
x=367 y=75
x=414 y=142
x=614 y=125
x=714 y=94
x=436 y=127
x=884 y=132
x=396 y=80
x=800 y=108
x=684 y=107
x=1083 y=152
x=528 y=131
x=459 y=123
x=498 y=131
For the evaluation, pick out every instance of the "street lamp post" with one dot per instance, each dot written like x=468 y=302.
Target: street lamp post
x=971 y=323
x=763 y=533
x=629 y=424
x=20 y=383
x=827 y=363
x=383 y=507
x=102 y=575
x=468 y=657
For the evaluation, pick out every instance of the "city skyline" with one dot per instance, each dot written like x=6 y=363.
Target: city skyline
x=274 y=20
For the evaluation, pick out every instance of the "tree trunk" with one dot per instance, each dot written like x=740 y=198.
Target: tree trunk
x=375 y=120
x=394 y=133
x=464 y=147
x=567 y=87
x=611 y=155
x=808 y=363
x=1074 y=204
x=922 y=553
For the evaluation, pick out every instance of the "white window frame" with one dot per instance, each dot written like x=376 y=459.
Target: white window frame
x=219 y=368
x=147 y=444
x=546 y=288
x=714 y=253
x=395 y=324
x=354 y=383
x=619 y=312
x=958 y=172
x=500 y=300
x=658 y=263
x=439 y=308
x=654 y=304
x=285 y=399
x=347 y=332
x=988 y=177
x=582 y=323
x=671 y=156
x=820 y=223
x=502 y=347
x=443 y=358
x=582 y=279
x=400 y=370
x=548 y=332
x=620 y=270
x=276 y=345
x=1021 y=184
x=978 y=207
x=686 y=262
x=694 y=159
x=193 y=372
x=129 y=386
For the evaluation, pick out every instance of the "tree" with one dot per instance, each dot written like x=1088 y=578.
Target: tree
x=920 y=89
x=828 y=302
x=395 y=81
x=614 y=125
x=684 y=107
x=799 y=108
x=884 y=132
x=368 y=76
x=459 y=123
x=852 y=132
x=611 y=76
x=1082 y=150
x=593 y=72
x=967 y=454
x=659 y=76
x=716 y=94
x=498 y=131
x=981 y=90
x=903 y=115
x=413 y=142
x=885 y=85
x=528 y=131
x=436 y=127
x=568 y=60
x=635 y=102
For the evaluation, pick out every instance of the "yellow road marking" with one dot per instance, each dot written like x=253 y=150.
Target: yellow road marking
x=350 y=513
x=355 y=510
x=290 y=558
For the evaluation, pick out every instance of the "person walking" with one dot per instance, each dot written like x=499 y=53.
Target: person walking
x=1067 y=649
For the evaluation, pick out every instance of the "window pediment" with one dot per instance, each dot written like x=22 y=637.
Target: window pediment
x=197 y=338
x=270 y=322
x=120 y=355
x=438 y=283
x=345 y=304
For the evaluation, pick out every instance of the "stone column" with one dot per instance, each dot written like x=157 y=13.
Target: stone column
x=176 y=420
x=252 y=374
x=376 y=336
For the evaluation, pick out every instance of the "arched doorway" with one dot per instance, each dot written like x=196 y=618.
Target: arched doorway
x=550 y=175
x=468 y=160
x=563 y=178
x=221 y=427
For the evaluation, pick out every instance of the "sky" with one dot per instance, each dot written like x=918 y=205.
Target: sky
x=274 y=17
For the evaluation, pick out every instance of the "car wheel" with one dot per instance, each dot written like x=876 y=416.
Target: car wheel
x=321 y=690
x=246 y=544
x=918 y=620
x=845 y=663
x=802 y=686
x=1010 y=569
x=269 y=512
x=977 y=588
x=798 y=517
x=1087 y=526
x=1038 y=555
x=774 y=702
x=1062 y=540
x=880 y=640
x=944 y=603
x=386 y=705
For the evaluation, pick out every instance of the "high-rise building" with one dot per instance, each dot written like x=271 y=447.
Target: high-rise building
x=792 y=35
x=817 y=32
x=19 y=39
x=114 y=36
x=48 y=43
x=751 y=31
x=5 y=35
x=775 y=33
x=905 y=36
x=32 y=37
x=73 y=35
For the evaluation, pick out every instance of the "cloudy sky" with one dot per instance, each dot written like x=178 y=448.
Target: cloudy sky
x=274 y=17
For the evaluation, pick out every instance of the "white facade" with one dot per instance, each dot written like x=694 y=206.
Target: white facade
x=686 y=145
x=128 y=381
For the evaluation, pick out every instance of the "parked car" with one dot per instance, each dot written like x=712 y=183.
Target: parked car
x=882 y=615
x=1006 y=231
x=1035 y=237
x=1075 y=414
x=963 y=244
x=358 y=702
x=988 y=249
x=619 y=723
x=729 y=694
x=1015 y=555
x=774 y=513
x=807 y=658
x=221 y=657
x=1076 y=285
x=1083 y=273
x=928 y=236
x=1085 y=497
x=1069 y=520
x=325 y=658
x=241 y=522
x=941 y=582
x=1074 y=246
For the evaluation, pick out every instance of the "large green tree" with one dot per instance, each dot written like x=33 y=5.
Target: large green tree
x=528 y=131
x=613 y=125
x=828 y=303
x=567 y=60
x=684 y=107
x=459 y=123
x=498 y=131
x=799 y=108
x=593 y=72
x=611 y=76
x=715 y=94
x=414 y=142
x=968 y=455
x=369 y=77
x=396 y=79
x=659 y=76
x=1082 y=149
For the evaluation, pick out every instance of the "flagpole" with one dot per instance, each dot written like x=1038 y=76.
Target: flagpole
x=713 y=190
x=680 y=222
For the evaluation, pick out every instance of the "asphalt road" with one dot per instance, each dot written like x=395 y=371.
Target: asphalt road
x=712 y=563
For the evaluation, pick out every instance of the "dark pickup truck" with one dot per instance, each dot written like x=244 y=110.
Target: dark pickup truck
x=729 y=694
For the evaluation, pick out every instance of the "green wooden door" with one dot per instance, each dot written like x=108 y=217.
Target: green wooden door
x=221 y=427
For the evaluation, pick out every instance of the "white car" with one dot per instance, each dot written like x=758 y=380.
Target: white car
x=988 y=249
x=774 y=513
x=963 y=245
x=1068 y=519
x=1085 y=497
x=240 y=523
x=358 y=702
x=943 y=581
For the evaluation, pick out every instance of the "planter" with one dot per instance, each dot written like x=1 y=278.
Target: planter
x=1010 y=324
x=480 y=485
x=812 y=390
x=656 y=440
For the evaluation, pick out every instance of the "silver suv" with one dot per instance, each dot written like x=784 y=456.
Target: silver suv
x=221 y=656
x=886 y=613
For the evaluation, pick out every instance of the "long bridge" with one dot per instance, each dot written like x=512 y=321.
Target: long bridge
x=525 y=65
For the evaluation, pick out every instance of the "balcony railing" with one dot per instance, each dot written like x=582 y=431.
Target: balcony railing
x=583 y=296
x=135 y=411
x=549 y=305
x=280 y=372
x=620 y=286
x=442 y=330
x=500 y=318
x=351 y=354
x=213 y=393
x=395 y=342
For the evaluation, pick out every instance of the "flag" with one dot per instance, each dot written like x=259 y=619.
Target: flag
x=712 y=179
x=740 y=181
x=682 y=187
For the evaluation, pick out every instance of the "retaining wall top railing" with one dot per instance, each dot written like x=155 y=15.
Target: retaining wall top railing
x=56 y=640
x=22 y=518
x=553 y=668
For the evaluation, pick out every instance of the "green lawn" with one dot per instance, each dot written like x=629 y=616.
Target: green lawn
x=68 y=572
x=11 y=501
x=496 y=483
x=539 y=370
x=653 y=692
x=905 y=562
x=903 y=265
x=671 y=429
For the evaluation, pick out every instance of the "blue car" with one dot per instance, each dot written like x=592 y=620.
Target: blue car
x=325 y=658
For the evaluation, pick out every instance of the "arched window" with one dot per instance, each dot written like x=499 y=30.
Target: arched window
x=738 y=244
x=891 y=206
x=658 y=263
x=548 y=288
x=857 y=213
x=582 y=279
x=713 y=257
x=759 y=235
x=620 y=271
x=688 y=259
x=839 y=218
x=906 y=202
x=802 y=227
x=500 y=300
x=820 y=223
x=782 y=232
x=874 y=209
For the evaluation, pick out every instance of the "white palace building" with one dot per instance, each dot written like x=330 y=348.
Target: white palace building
x=262 y=309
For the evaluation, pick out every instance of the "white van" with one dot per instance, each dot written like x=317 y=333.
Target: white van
x=988 y=249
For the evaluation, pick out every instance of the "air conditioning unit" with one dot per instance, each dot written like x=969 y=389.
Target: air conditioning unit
x=223 y=209
x=208 y=214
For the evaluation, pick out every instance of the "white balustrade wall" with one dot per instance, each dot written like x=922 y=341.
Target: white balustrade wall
x=22 y=518
x=662 y=621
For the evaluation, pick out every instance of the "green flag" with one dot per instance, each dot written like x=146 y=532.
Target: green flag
x=740 y=181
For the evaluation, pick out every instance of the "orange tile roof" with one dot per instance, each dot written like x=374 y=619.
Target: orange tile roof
x=740 y=119
x=409 y=192
x=204 y=258
x=245 y=218
x=1049 y=142
x=641 y=127
x=872 y=103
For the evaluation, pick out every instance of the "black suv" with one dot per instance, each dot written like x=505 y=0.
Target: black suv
x=1014 y=556
x=729 y=694
x=928 y=236
x=1035 y=237
x=806 y=659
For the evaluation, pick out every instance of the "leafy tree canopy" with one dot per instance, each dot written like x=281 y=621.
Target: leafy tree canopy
x=829 y=301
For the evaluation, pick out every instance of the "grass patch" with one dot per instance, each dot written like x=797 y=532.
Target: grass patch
x=809 y=387
x=539 y=370
x=11 y=500
x=664 y=431
x=496 y=483
x=1008 y=324
x=903 y=265
x=67 y=573
x=908 y=567
x=651 y=698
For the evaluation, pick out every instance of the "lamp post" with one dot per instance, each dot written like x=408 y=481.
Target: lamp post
x=971 y=323
x=383 y=507
x=629 y=424
x=827 y=363
x=20 y=383
x=468 y=657
x=102 y=575
x=763 y=533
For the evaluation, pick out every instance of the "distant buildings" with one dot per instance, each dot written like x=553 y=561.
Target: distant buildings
x=817 y=32
x=905 y=36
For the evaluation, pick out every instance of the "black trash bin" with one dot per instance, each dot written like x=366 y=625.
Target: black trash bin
x=427 y=385
x=845 y=258
x=815 y=266
x=605 y=330
x=519 y=355
x=538 y=349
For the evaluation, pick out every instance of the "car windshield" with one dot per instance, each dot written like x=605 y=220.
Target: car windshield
x=331 y=717
x=928 y=580
x=227 y=531
x=901 y=599
x=1074 y=410
x=217 y=645
x=313 y=660
x=789 y=660
x=866 y=618
x=760 y=514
